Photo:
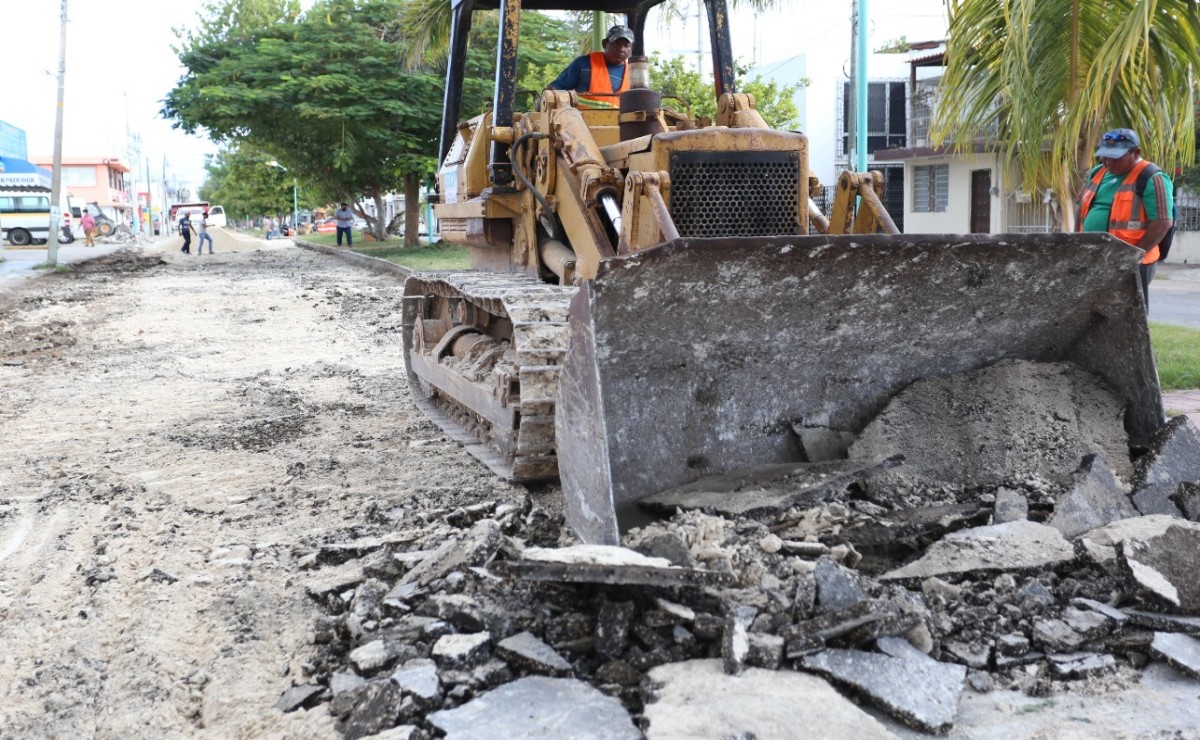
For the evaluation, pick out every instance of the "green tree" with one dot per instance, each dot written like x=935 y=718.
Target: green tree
x=675 y=79
x=1047 y=78
x=895 y=46
x=324 y=96
x=244 y=180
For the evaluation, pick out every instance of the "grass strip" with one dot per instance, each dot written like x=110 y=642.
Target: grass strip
x=1177 y=354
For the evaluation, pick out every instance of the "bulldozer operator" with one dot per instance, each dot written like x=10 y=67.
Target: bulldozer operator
x=600 y=77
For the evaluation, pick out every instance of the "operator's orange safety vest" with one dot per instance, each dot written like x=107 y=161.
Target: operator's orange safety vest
x=1126 y=202
x=600 y=90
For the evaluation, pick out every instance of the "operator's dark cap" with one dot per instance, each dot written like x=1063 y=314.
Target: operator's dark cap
x=619 y=32
x=1117 y=142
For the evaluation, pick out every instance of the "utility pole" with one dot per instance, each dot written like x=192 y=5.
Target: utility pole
x=859 y=67
x=56 y=176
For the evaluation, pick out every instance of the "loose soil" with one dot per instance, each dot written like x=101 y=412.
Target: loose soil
x=177 y=432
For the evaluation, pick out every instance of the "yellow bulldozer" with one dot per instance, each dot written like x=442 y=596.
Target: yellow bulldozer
x=655 y=298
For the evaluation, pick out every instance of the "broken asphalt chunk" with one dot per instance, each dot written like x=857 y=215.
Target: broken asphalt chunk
x=1174 y=458
x=906 y=683
x=1181 y=652
x=538 y=707
x=1163 y=568
x=765 y=490
x=1014 y=546
x=607 y=564
x=295 y=697
x=1164 y=622
x=696 y=699
x=460 y=651
x=1094 y=498
x=525 y=651
x=474 y=547
x=419 y=678
x=1080 y=665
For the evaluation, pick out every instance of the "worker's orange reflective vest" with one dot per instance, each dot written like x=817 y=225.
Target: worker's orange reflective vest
x=1126 y=202
x=600 y=92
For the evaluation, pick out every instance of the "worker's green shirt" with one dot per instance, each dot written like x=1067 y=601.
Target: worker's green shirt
x=1157 y=199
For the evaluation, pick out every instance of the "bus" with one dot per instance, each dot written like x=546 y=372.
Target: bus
x=25 y=217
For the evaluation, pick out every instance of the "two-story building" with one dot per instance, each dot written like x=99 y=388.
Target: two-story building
x=99 y=180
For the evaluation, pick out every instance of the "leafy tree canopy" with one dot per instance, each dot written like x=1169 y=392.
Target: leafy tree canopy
x=1051 y=76
x=324 y=95
x=674 y=79
x=895 y=46
x=247 y=182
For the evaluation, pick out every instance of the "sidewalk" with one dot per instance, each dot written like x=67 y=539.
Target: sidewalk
x=1184 y=402
x=21 y=263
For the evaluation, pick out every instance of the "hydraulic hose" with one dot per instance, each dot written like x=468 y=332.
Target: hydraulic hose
x=548 y=221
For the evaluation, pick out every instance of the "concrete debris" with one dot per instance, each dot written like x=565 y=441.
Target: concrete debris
x=1179 y=651
x=1100 y=545
x=1163 y=568
x=1014 y=546
x=1095 y=498
x=297 y=696
x=766 y=489
x=1187 y=498
x=419 y=679
x=895 y=582
x=473 y=548
x=998 y=426
x=697 y=699
x=527 y=652
x=1011 y=506
x=1173 y=460
x=459 y=651
x=538 y=707
x=1164 y=622
x=1081 y=665
x=605 y=564
x=908 y=684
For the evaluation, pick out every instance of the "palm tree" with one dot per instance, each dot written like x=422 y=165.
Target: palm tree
x=1051 y=75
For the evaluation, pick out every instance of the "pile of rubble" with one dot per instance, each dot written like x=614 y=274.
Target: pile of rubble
x=1018 y=549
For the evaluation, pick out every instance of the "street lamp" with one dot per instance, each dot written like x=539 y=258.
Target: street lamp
x=295 y=198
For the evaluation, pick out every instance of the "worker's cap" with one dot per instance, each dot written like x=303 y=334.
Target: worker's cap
x=619 y=32
x=1117 y=142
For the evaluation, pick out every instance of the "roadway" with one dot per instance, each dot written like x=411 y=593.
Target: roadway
x=1175 y=295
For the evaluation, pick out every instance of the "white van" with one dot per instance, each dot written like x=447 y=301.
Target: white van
x=216 y=216
x=25 y=216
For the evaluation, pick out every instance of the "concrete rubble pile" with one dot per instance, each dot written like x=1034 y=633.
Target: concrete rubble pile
x=988 y=531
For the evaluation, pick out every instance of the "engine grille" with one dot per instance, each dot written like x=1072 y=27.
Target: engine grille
x=716 y=194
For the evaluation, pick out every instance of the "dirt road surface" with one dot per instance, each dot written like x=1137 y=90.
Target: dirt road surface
x=176 y=433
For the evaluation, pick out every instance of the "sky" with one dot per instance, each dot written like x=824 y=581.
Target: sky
x=120 y=65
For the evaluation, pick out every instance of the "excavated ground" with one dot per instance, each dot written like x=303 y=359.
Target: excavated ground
x=193 y=443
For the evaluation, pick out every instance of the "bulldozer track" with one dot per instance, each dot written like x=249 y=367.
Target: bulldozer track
x=475 y=414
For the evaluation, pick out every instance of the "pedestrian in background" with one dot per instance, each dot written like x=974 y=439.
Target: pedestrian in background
x=185 y=228
x=88 y=224
x=204 y=235
x=345 y=225
x=1130 y=198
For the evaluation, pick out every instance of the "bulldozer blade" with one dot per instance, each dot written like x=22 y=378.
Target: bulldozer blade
x=700 y=356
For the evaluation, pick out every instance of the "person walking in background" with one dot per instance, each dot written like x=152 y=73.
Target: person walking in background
x=185 y=228
x=345 y=225
x=1130 y=198
x=204 y=235
x=88 y=224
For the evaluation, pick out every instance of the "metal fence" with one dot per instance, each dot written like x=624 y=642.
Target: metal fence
x=1187 y=211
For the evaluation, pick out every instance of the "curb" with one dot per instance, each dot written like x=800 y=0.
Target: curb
x=374 y=264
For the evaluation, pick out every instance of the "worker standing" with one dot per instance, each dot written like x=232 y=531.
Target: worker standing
x=1130 y=198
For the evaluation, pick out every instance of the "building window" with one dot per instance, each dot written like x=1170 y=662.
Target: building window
x=84 y=177
x=886 y=116
x=931 y=188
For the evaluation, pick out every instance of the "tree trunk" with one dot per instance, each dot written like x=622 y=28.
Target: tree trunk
x=412 y=209
x=377 y=225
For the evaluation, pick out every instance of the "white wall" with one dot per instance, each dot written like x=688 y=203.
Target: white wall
x=1185 y=249
x=956 y=219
